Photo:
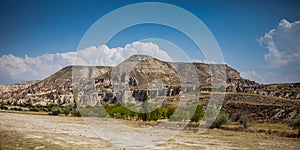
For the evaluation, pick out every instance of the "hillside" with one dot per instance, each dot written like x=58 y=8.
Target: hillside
x=16 y=86
x=164 y=82
x=139 y=71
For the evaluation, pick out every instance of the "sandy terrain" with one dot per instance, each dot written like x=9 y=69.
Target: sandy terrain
x=28 y=131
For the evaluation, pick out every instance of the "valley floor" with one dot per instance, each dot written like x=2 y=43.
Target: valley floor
x=29 y=131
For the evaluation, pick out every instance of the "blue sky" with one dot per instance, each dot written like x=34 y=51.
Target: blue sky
x=39 y=27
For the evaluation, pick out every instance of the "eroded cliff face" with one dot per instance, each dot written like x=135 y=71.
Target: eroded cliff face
x=56 y=89
x=130 y=80
x=16 y=86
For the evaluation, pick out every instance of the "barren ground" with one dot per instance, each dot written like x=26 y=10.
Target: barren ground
x=31 y=131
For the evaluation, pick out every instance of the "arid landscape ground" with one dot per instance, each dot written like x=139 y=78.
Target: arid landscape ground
x=82 y=107
x=135 y=75
x=41 y=131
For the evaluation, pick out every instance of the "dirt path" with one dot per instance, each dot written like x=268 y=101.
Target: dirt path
x=27 y=131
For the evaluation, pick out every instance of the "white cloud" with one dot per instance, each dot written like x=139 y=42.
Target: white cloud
x=254 y=76
x=283 y=44
x=204 y=61
x=271 y=77
x=283 y=57
x=15 y=69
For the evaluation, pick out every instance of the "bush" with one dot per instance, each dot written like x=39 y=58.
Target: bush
x=14 y=108
x=221 y=119
x=55 y=111
x=25 y=105
x=170 y=112
x=93 y=112
x=76 y=113
x=117 y=111
x=66 y=111
x=218 y=118
x=33 y=108
x=295 y=123
x=211 y=113
x=45 y=109
x=155 y=115
x=3 y=107
x=197 y=112
x=243 y=121
x=180 y=115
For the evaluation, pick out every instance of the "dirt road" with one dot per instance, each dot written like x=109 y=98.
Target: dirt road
x=27 y=131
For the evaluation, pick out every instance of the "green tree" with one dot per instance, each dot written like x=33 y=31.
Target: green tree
x=145 y=115
x=155 y=114
x=75 y=96
x=197 y=113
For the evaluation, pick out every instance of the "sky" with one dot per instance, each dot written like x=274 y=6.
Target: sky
x=259 y=38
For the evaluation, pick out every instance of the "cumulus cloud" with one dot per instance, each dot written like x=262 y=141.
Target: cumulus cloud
x=283 y=57
x=283 y=44
x=15 y=69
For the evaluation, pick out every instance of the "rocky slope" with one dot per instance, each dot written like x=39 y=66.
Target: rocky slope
x=16 y=86
x=257 y=107
x=130 y=80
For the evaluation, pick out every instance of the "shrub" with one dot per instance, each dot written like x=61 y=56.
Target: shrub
x=197 y=112
x=155 y=115
x=93 y=112
x=76 y=113
x=170 y=112
x=163 y=111
x=218 y=118
x=45 y=109
x=211 y=112
x=55 y=111
x=14 y=108
x=65 y=111
x=50 y=106
x=151 y=116
x=25 y=105
x=33 y=108
x=117 y=111
x=221 y=119
x=180 y=115
x=295 y=123
x=243 y=121
x=5 y=107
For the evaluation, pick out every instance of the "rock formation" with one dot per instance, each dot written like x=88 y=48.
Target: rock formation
x=131 y=79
